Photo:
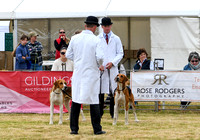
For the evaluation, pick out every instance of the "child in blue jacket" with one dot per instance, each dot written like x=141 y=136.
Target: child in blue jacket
x=22 y=54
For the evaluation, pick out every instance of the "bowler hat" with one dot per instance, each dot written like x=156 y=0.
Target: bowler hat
x=106 y=21
x=92 y=20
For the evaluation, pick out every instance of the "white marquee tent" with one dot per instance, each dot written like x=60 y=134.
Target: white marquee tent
x=174 y=24
x=23 y=9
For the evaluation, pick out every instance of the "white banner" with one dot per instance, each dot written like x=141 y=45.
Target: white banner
x=166 y=85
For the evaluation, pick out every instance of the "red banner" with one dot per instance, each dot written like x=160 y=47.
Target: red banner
x=28 y=92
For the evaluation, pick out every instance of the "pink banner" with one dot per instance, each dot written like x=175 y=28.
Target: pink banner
x=28 y=92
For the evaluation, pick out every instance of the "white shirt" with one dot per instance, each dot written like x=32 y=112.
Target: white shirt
x=57 y=65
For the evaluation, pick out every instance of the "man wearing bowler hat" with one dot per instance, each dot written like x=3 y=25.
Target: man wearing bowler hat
x=113 y=53
x=87 y=56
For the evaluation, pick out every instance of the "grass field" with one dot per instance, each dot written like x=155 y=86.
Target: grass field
x=153 y=125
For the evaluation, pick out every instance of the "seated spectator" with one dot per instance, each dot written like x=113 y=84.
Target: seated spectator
x=193 y=64
x=62 y=63
x=22 y=54
x=143 y=63
x=35 y=49
x=60 y=42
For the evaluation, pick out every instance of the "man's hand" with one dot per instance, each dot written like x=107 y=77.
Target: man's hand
x=109 y=65
x=101 y=68
x=23 y=57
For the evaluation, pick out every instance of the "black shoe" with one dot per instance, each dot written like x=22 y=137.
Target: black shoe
x=74 y=132
x=100 y=132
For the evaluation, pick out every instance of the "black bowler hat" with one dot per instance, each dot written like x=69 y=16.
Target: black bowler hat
x=106 y=21
x=92 y=20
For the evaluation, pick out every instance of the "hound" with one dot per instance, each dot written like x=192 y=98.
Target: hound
x=123 y=96
x=60 y=94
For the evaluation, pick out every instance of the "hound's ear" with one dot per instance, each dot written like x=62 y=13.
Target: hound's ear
x=125 y=78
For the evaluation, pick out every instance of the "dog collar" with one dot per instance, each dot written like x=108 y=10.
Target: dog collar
x=122 y=89
x=56 y=93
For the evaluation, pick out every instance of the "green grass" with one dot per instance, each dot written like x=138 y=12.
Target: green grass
x=152 y=126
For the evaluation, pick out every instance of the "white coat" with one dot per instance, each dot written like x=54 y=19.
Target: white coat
x=84 y=51
x=113 y=52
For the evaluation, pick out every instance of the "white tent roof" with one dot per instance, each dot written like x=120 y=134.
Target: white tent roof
x=23 y=9
x=60 y=8
x=154 y=8
x=7 y=8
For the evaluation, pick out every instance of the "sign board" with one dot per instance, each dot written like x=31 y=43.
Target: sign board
x=8 y=41
x=166 y=85
x=28 y=92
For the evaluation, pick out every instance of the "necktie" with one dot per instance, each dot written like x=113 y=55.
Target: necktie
x=107 y=39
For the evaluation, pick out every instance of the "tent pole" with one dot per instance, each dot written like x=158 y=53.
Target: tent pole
x=15 y=40
x=49 y=35
x=129 y=44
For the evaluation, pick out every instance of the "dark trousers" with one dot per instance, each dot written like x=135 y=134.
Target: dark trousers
x=112 y=106
x=101 y=104
x=94 y=113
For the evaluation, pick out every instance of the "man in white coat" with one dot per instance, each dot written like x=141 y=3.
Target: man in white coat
x=87 y=56
x=113 y=53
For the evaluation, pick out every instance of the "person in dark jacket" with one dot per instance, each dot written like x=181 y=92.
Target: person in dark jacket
x=193 y=64
x=22 y=54
x=60 y=42
x=143 y=63
x=35 y=49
